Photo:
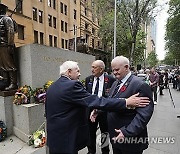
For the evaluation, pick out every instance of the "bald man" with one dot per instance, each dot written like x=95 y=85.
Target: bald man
x=127 y=128
x=105 y=83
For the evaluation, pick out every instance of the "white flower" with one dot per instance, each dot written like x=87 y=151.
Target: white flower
x=37 y=142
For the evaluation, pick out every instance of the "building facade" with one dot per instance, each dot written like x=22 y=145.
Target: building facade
x=54 y=22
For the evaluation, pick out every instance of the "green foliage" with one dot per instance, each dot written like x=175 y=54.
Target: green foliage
x=130 y=17
x=169 y=59
x=152 y=59
x=173 y=30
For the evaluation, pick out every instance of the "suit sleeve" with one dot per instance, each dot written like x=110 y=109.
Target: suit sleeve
x=143 y=115
x=82 y=97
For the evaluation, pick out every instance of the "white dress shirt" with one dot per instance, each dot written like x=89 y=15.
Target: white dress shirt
x=101 y=85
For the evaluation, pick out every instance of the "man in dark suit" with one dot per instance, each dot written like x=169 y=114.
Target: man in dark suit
x=104 y=83
x=128 y=124
x=66 y=103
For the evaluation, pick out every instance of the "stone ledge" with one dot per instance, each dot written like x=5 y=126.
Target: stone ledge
x=7 y=93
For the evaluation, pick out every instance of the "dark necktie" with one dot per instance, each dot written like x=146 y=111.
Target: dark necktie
x=97 y=87
x=117 y=88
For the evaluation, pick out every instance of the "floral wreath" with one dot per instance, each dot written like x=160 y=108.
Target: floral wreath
x=47 y=84
x=22 y=96
x=39 y=95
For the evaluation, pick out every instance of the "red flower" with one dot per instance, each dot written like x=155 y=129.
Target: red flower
x=106 y=79
x=123 y=88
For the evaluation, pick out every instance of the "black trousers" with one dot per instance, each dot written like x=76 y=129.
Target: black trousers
x=102 y=121
x=119 y=151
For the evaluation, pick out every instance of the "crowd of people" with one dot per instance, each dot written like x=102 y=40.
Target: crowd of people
x=160 y=79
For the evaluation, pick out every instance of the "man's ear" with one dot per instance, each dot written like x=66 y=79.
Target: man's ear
x=69 y=72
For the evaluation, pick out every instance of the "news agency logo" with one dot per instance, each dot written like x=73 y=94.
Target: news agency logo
x=102 y=140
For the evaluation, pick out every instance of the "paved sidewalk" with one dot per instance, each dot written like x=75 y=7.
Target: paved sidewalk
x=164 y=123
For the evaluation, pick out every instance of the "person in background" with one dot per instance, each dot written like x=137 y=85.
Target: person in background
x=99 y=84
x=161 y=82
x=153 y=82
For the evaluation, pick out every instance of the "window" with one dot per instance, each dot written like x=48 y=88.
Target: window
x=93 y=31
x=98 y=44
x=34 y=14
x=40 y=16
x=66 y=27
x=65 y=9
x=66 y=44
x=54 y=4
x=61 y=7
x=55 y=41
x=35 y=36
x=19 y=5
x=50 y=20
x=49 y=3
x=93 y=43
x=62 y=43
x=74 y=14
x=40 y=0
x=86 y=26
x=86 y=12
x=41 y=38
x=87 y=38
x=62 y=25
x=74 y=1
x=20 y=32
x=50 y=40
x=54 y=22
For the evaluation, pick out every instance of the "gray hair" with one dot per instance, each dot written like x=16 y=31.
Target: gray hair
x=66 y=66
x=121 y=60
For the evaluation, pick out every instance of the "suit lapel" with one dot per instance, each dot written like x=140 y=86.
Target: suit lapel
x=124 y=87
x=113 y=88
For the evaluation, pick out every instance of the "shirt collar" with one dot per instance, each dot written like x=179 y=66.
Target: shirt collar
x=100 y=78
x=126 y=77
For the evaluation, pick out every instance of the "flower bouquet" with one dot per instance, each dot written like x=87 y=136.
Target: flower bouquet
x=38 y=139
x=3 y=131
x=47 y=84
x=22 y=96
x=39 y=95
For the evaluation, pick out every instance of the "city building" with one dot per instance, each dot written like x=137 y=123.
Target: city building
x=54 y=22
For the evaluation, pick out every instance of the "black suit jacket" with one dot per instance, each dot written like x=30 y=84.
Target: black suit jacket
x=132 y=122
x=108 y=81
x=66 y=102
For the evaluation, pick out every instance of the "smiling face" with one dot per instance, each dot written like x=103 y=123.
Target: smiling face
x=74 y=73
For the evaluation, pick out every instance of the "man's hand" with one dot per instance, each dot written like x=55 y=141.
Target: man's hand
x=119 y=137
x=135 y=101
x=93 y=115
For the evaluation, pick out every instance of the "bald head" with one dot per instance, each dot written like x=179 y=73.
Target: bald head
x=97 y=68
x=120 y=67
x=121 y=60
